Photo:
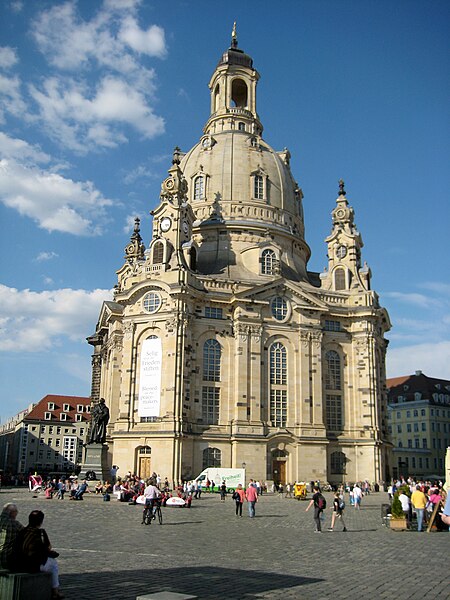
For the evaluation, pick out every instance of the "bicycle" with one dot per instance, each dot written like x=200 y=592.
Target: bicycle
x=150 y=513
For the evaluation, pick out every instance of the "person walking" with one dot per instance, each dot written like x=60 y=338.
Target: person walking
x=320 y=504
x=357 y=495
x=239 y=497
x=223 y=491
x=338 y=512
x=252 y=498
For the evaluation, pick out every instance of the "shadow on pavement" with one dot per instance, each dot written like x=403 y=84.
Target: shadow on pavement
x=207 y=583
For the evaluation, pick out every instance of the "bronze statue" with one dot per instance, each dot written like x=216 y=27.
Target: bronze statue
x=99 y=421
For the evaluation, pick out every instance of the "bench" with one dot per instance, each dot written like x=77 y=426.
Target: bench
x=23 y=586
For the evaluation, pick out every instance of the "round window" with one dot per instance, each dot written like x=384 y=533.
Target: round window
x=279 y=308
x=151 y=302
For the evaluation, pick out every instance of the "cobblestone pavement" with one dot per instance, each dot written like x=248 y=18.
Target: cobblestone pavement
x=210 y=553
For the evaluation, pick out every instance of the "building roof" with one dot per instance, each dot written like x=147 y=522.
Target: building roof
x=38 y=412
x=431 y=388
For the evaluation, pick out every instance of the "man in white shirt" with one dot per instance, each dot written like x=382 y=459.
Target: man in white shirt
x=357 y=495
x=406 y=506
x=151 y=493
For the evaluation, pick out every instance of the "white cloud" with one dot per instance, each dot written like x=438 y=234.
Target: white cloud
x=44 y=256
x=80 y=121
x=16 y=148
x=38 y=321
x=54 y=202
x=431 y=358
x=414 y=299
x=11 y=98
x=70 y=43
x=16 y=6
x=150 y=41
x=8 y=57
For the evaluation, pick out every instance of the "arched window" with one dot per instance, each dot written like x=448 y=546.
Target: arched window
x=339 y=279
x=211 y=360
x=241 y=126
x=193 y=259
x=334 y=418
x=158 y=253
x=268 y=258
x=258 y=187
x=337 y=463
x=239 y=93
x=212 y=457
x=216 y=97
x=278 y=385
x=199 y=187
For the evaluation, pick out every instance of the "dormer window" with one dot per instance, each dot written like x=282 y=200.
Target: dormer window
x=268 y=258
x=48 y=416
x=66 y=407
x=80 y=408
x=63 y=417
x=51 y=406
x=78 y=418
x=199 y=187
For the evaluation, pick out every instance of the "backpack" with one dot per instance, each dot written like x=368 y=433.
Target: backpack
x=321 y=502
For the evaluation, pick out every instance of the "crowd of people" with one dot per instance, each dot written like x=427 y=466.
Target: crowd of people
x=420 y=498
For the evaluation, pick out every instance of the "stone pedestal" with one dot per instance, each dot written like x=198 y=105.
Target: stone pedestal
x=96 y=460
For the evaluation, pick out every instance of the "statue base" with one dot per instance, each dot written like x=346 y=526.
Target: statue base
x=95 y=462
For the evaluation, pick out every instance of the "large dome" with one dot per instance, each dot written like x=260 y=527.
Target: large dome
x=242 y=192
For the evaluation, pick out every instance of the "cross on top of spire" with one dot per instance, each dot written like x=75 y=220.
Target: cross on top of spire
x=234 y=41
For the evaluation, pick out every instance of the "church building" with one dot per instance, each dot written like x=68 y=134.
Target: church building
x=220 y=348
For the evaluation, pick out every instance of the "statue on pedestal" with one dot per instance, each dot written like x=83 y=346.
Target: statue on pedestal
x=99 y=421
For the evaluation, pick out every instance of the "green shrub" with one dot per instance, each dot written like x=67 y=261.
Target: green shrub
x=396 y=508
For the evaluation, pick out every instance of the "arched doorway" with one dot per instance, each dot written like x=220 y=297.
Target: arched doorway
x=279 y=460
x=144 y=462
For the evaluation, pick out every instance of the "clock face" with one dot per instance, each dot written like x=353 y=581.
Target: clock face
x=165 y=224
x=341 y=252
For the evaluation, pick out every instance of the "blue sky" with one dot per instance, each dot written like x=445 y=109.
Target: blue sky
x=94 y=95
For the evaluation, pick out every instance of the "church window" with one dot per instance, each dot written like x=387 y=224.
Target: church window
x=332 y=325
x=239 y=93
x=211 y=360
x=241 y=126
x=278 y=384
x=210 y=405
x=279 y=308
x=199 y=187
x=333 y=409
x=213 y=312
x=158 y=253
x=151 y=302
x=212 y=457
x=278 y=408
x=258 y=187
x=193 y=257
x=337 y=463
x=278 y=364
x=268 y=258
x=332 y=371
x=339 y=279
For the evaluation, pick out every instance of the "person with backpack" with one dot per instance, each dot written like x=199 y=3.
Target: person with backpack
x=320 y=505
x=338 y=511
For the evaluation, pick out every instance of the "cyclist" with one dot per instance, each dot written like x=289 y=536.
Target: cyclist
x=151 y=495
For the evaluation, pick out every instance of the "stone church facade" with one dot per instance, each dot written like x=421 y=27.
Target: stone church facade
x=219 y=347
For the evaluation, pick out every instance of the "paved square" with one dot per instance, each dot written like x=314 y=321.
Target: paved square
x=210 y=553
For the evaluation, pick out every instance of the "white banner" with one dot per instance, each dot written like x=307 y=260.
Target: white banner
x=150 y=378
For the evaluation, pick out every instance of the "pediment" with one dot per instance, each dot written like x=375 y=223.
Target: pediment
x=109 y=310
x=296 y=292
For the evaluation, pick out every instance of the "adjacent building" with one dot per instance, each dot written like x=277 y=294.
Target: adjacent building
x=419 y=424
x=50 y=437
x=10 y=441
x=220 y=347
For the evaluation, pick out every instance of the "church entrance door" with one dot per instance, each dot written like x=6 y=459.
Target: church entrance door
x=279 y=471
x=145 y=467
